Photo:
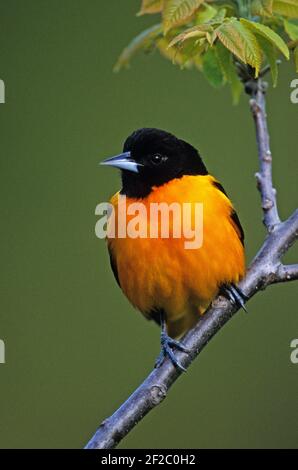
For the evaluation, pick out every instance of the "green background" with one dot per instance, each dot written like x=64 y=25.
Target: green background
x=75 y=348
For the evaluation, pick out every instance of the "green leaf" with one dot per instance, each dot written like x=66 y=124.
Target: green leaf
x=220 y=15
x=187 y=55
x=195 y=48
x=262 y=7
x=296 y=58
x=236 y=87
x=205 y=13
x=269 y=34
x=199 y=31
x=291 y=30
x=225 y=60
x=175 y=55
x=241 y=42
x=286 y=8
x=176 y=12
x=212 y=69
x=150 y=6
x=211 y=37
x=270 y=52
x=142 y=41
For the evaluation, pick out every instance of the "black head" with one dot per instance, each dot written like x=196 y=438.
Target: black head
x=153 y=157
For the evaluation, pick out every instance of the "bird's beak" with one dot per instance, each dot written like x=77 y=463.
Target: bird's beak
x=123 y=161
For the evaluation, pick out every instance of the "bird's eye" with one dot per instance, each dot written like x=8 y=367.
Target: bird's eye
x=157 y=159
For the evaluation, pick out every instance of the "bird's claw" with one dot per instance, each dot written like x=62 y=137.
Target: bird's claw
x=235 y=295
x=167 y=345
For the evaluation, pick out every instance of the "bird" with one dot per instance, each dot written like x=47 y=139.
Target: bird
x=162 y=279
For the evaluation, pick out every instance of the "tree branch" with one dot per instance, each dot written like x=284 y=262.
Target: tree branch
x=287 y=273
x=264 y=176
x=265 y=269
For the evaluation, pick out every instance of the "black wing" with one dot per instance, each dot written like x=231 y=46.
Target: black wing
x=236 y=221
x=233 y=215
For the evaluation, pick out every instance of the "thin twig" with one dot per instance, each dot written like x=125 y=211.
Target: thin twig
x=264 y=176
x=265 y=269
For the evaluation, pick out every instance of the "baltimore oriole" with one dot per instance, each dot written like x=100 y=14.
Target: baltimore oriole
x=165 y=281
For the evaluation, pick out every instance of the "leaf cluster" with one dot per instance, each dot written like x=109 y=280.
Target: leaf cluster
x=217 y=37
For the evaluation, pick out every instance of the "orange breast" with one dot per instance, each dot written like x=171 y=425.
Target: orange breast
x=161 y=272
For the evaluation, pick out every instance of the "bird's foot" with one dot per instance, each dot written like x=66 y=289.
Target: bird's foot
x=235 y=295
x=167 y=346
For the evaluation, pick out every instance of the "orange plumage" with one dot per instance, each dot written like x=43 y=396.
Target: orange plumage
x=159 y=273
